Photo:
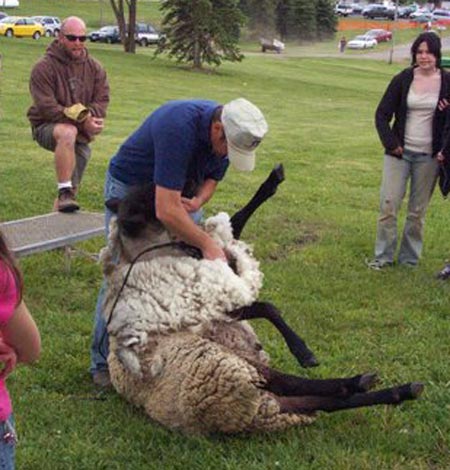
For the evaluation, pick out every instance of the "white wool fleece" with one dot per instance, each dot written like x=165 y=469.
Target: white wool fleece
x=170 y=294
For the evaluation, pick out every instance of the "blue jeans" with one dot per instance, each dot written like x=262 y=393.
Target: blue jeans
x=8 y=445
x=423 y=172
x=100 y=343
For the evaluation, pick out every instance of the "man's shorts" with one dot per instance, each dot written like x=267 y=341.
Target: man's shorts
x=43 y=135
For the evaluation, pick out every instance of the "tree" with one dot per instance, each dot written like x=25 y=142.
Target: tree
x=261 y=14
x=326 y=20
x=199 y=31
x=304 y=15
x=284 y=19
x=305 y=19
x=127 y=31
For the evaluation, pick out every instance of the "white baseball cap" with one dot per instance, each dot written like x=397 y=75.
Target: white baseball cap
x=244 y=126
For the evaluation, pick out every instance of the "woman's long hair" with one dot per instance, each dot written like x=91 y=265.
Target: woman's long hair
x=433 y=42
x=7 y=258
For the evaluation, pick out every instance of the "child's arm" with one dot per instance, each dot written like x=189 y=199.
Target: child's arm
x=22 y=335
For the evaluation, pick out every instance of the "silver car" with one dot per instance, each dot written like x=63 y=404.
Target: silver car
x=51 y=24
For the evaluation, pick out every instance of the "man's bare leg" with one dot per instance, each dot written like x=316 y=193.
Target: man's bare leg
x=65 y=137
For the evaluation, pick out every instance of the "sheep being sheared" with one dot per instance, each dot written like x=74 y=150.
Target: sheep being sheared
x=179 y=347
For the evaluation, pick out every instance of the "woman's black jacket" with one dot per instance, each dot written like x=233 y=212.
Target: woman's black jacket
x=393 y=104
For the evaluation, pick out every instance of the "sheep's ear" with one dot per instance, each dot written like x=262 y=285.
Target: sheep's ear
x=113 y=204
x=133 y=225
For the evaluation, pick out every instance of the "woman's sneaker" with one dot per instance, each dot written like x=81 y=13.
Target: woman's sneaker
x=378 y=265
x=66 y=201
x=445 y=273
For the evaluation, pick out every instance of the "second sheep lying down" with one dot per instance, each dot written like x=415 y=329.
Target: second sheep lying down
x=179 y=350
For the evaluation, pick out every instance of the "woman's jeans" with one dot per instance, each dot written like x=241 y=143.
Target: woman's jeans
x=100 y=343
x=423 y=172
x=8 y=440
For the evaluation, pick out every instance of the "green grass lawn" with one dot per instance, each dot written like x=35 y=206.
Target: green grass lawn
x=312 y=239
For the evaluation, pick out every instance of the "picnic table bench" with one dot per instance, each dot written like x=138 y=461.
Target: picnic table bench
x=51 y=231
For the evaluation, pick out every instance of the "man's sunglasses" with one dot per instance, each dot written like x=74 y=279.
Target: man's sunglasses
x=73 y=38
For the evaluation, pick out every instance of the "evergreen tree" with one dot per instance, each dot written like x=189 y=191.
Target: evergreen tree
x=261 y=14
x=199 y=31
x=326 y=19
x=304 y=16
x=284 y=20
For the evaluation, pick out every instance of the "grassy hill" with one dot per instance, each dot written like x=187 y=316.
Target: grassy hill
x=312 y=239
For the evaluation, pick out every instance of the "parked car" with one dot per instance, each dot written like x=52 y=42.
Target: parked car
x=362 y=42
x=379 y=11
x=9 y=3
x=51 y=24
x=343 y=9
x=443 y=16
x=406 y=10
x=271 y=45
x=108 y=34
x=357 y=8
x=381 y=35
x=146 y=34
x=21 y=27
x=2 y=15
x=421 y=16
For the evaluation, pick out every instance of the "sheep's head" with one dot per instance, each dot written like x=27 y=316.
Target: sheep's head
x=219 y=228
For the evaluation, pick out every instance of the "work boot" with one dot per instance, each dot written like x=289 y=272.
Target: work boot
x=66 y=201
x=102 y=379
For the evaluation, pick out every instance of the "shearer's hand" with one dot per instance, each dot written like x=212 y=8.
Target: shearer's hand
x=191 y=205
x=77 y=112
x=213 y=251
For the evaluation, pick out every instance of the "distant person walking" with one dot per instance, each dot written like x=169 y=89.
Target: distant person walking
x=70 y=96
x=342 y=44
x=416 y=99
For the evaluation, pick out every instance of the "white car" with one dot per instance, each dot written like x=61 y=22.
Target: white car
x=362 y=42
x=146 y=34
x=51 y=24
x=9 y=3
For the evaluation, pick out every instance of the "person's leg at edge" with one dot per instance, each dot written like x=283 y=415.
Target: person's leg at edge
x=8 y=441
x=393 y=188
x=424 y=175
x=100 y=342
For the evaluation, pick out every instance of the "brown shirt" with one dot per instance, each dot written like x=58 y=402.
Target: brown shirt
x=58 y=80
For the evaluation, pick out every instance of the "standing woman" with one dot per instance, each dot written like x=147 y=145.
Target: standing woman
x=19 y=342
x=417 y=100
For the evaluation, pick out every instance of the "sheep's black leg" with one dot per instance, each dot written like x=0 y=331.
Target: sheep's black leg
x=388 y=396
x=290 y=385
x=265 y=191
x=295 y=344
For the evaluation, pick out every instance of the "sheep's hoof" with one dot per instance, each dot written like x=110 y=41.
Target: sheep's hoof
x=416 y=389
x=367 y=381
x=409 y=391
x=308 y=361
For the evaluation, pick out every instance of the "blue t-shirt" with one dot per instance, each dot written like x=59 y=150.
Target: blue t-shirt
x=172 y=148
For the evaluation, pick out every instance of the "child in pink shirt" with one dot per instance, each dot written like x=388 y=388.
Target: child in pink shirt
x=19 y=342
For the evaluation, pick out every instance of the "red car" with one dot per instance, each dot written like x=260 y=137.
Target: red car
x=380 y=35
